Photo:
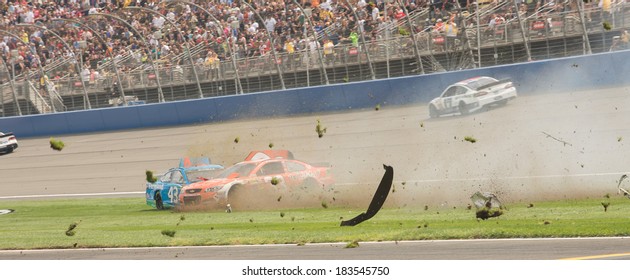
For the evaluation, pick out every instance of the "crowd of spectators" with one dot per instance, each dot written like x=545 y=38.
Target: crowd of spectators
x=232 y=31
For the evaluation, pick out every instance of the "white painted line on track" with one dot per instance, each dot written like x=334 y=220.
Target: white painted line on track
x=68 y=195
x=352 y=184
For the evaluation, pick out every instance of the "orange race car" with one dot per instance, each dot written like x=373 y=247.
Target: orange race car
x=257 y=179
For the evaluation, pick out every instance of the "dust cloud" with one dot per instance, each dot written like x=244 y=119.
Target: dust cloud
x=513 y=157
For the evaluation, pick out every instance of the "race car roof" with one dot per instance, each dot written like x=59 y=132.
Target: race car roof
x=269 y=154
x=476 y=82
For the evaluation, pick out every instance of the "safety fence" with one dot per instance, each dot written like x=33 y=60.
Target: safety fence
x=402 y=49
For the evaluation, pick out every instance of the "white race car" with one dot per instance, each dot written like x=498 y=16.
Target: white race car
x=8 y=142
x=471 y=95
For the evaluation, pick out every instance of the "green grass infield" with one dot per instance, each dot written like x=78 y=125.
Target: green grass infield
x=128 y=222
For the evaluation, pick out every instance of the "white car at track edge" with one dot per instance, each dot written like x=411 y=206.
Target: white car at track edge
x=471 y=95
x=8 y=142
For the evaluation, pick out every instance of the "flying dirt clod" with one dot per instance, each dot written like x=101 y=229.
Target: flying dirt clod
x=320 y=129
x=56 y=145
x=150 y=178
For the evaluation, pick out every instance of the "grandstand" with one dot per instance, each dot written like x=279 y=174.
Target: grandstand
x=76 y=55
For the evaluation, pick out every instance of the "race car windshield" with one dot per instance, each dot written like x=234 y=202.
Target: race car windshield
x=198 y=175
x=243 y=169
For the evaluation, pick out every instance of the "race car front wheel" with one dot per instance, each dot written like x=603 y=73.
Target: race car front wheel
x=159 y=205
x=433 y=112
x=253 y=197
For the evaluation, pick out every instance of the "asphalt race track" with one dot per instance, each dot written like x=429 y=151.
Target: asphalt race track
x=536 y=147
x=495 y=249
x=540 y=147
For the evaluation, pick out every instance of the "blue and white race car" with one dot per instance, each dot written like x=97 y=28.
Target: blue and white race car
x=164 y=193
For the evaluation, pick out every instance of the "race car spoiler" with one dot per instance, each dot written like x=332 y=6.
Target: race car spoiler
x=503 y=81
x=188 y=162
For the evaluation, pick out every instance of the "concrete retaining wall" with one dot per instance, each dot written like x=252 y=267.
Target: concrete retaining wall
x=558 y=75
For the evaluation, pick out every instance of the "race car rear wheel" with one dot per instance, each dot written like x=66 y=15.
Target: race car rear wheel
x=463 y=108
x=159 y=205
x=433 y=112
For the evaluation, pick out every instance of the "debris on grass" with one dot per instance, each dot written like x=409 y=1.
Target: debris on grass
x=605 y=204
x=320 y=129
x=72 y=226
x=71 y=229
x=301 y=244
x=546 y=222
x=324 y=205
x=621 y=190
x=181 y=219
x=531 y=205
x=150 y=178
x=281 y=214
x=353 y=244
x=56 y=145
x=168 y=232
x=486 y=213
x=487 y=204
